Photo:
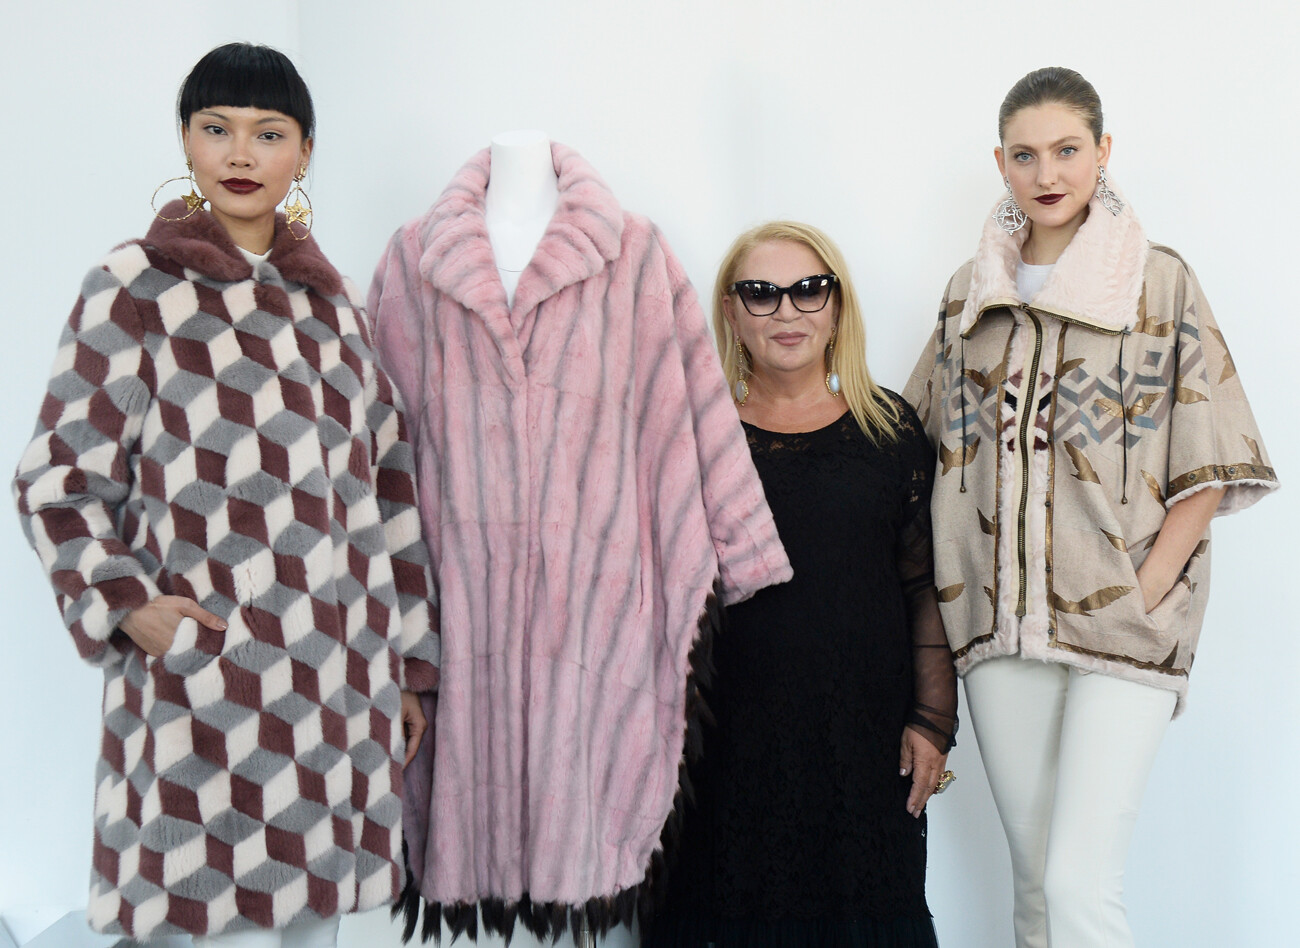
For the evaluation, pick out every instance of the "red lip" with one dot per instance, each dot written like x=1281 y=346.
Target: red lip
x=240 y=185
x=1049 y=198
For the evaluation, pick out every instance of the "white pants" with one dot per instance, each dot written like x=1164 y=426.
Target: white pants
x=303 y=935
x=1067 y=756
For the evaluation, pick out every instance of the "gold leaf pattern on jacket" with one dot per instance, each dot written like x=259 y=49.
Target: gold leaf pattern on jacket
x=1143 y=404
x=1115 y=541
x=1139 y=407
x=1154 y=486
x=1083 y=469
x=1229 y=367
x=949 y=593
x=1072 y=364
x=992 y=601
x=1088 y=604
x=1149 y=327
x=988 y=382
x=988 y=526
x=1109 y=406
x=1255 y=457
x=951 y=459
x=1185 y=395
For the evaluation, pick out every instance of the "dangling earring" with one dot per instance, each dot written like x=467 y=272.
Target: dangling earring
x=193 y=201
x=294 y=211
x=1108 y=198
x=741 y=389
x=832 y=377
x=1008 y=215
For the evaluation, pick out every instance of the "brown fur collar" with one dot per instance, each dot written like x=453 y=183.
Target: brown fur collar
x=1097 y=281
x=200 y=243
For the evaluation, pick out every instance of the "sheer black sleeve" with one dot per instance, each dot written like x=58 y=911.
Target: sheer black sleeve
x=934 y=705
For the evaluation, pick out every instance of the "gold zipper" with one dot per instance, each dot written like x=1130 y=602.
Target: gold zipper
x=1046 y=311
x=1026 y=412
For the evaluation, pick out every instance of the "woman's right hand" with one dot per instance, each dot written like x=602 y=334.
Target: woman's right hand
x=153 y=626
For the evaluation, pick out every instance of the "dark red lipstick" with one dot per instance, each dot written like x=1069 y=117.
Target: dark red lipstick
x=240 y=185
x=1049 y=198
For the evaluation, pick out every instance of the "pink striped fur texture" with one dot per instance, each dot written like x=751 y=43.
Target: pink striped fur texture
x=584 y=483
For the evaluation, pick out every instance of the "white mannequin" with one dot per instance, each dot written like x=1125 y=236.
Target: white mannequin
x=522 y=195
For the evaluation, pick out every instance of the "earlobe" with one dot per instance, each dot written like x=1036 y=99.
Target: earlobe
x=1103 y=150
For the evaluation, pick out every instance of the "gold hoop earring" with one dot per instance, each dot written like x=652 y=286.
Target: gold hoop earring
x=740 y=391
x=832 y=377
x=295 y=212
x=193 y=201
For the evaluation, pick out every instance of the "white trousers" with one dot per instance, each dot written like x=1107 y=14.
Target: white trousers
x=1067 y=756
x=323 y=934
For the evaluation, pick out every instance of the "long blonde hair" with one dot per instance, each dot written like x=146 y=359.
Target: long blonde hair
x=873 y=410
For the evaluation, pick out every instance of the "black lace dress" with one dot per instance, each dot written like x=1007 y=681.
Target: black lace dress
x=799 y=834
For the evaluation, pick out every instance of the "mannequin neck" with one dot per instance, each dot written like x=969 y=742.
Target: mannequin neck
x=522 y=195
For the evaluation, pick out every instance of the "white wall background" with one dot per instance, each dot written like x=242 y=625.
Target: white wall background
x=875 y=121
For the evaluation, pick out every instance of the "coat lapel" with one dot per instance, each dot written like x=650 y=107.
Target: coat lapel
x=1096 y=282
x=200 y=243
x=584 y=235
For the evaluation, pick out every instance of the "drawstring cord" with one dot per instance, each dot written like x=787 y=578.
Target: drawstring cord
x=961 y=384
x=1123 y=413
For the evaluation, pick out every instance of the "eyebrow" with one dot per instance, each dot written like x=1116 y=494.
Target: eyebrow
x=225 y=118
x=1056 y=144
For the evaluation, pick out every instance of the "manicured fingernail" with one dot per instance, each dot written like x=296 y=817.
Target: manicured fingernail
x=902 y=771
x=222 y=625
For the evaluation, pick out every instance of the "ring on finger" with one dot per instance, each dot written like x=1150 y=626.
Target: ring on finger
x=945 y=778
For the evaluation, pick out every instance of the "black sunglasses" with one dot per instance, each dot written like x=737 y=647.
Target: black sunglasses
x=809 y=295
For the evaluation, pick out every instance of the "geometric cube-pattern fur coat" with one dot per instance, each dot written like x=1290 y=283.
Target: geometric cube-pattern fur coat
x=219 y=430
x=1066 y=426
x=584 y=482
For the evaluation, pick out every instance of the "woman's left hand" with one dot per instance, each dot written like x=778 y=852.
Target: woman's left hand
x=414 y=724
x=925 y=763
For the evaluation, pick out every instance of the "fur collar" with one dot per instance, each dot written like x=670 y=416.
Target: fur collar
x=200 y=243
x=584 y=235
x=1096 y=282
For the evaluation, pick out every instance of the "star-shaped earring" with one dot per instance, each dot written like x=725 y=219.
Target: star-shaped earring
x=295 y=211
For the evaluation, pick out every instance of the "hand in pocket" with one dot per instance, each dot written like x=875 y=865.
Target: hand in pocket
x=153 y=626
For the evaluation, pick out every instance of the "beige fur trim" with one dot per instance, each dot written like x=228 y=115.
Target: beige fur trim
x=1096 y=282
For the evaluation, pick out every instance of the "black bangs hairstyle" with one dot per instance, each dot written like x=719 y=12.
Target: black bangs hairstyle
x=243 y=75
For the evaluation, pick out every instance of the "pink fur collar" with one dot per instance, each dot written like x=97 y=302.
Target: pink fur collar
x=1097 y=281
x=584 y=235
x=200 y=243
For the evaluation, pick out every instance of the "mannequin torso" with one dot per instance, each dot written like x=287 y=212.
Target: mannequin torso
x=522 y=195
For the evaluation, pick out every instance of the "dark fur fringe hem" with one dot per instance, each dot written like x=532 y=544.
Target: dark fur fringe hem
x=600 y=914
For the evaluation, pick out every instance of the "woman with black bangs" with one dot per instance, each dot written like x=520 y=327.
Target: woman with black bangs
x=220 y=488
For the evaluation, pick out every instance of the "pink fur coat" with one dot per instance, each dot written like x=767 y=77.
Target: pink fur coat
x=584 y=484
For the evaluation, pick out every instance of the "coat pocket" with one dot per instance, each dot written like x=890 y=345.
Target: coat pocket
x=193 y=647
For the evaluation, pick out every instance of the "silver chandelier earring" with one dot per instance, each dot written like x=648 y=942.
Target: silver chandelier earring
x=1108 y=198
x=1008 y=215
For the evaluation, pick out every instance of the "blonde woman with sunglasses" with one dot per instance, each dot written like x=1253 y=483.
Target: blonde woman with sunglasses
x=834 y=698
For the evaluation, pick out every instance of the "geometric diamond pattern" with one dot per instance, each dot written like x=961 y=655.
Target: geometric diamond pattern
x=227 y=436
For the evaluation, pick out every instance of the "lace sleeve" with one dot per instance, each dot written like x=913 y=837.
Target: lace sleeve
x=934 y=703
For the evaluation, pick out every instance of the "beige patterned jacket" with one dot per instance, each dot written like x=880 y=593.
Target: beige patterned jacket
x=1065 y=427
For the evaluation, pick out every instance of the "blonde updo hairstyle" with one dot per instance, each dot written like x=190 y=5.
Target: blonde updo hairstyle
x=873 y=410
